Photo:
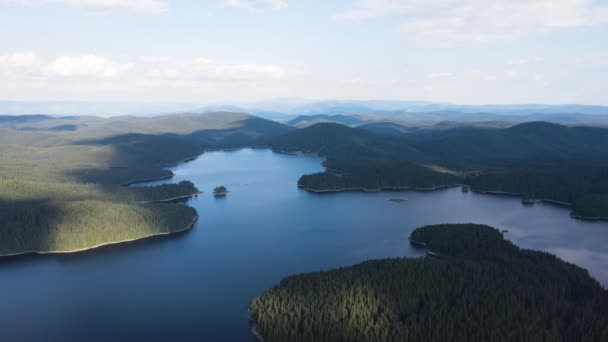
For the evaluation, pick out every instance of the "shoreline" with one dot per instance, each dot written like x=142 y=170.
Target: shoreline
x=520 y=194
x=297 y=153
x=85 y=249
x=172 y=199
x=147 y=180
x=489 y=192
x=185 y=160
x=380 y=189
x=587 y=218
x=417 y=243
x=253 y=325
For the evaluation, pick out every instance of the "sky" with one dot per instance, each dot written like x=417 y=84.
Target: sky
x=232 y=51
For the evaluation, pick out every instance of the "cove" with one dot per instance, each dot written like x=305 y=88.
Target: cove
x=197 y=285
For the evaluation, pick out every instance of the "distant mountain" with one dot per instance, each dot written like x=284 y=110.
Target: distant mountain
x=309 y=120
x=11 y=119
x=285 y=109
x=39 y=122
x=312 y=107
x=428 y=118
x=97 y=108
x=385 y=128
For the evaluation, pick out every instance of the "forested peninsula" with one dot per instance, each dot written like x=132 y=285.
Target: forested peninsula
x=480 y=288
x=536 y=160
x=63 y=191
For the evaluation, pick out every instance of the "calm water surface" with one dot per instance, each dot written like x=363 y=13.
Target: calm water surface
x=198 y=285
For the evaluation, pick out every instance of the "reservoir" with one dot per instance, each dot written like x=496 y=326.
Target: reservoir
x=197 y=285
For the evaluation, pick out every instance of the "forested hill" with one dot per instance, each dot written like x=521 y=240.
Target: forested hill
x=483 y=288
x=534 y=144
x=143 y=153
x=527 y=144
x=325 y=139
x=309 y=120
x=537 y=160
x=61 y=177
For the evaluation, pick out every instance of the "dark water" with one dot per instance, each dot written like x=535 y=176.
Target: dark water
x=198 y=285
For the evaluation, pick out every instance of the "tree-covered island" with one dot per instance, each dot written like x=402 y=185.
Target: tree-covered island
x=481 y=288
x=220 y=191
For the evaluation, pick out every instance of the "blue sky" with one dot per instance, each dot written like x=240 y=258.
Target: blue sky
x=231 y=51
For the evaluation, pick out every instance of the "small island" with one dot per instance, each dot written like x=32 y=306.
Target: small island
x=220 y=191
x=528 y=199
x=398 y=200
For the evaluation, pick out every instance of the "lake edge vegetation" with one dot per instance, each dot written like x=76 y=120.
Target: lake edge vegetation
x=538 y=161
x=480 y=288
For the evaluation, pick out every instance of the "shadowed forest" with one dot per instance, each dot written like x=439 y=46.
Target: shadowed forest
x=537 y=160
x=481 y=288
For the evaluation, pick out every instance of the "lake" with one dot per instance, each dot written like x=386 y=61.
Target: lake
x=198 y=285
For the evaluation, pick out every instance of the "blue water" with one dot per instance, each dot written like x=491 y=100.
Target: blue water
x=198 y=285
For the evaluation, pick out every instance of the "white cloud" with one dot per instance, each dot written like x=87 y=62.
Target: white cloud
x=441 y=74
x=138 y=6
x=512 y=75
x=459 y=21
x=19 y=60
x=524 y=61
x=352 y=81
x=506 y=76
x=20 y=67
x=86 y=66
x=538 y=77
x=593 y=60
x=27 y=66
x=257 y=5
x=203 y=69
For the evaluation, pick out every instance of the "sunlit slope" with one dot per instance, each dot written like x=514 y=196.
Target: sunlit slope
x=67 y=226
x=60 y=178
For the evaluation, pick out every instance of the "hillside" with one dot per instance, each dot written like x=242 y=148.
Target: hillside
x=385 y=128
x=527 y=144
x=359 y=159
x=483 y=288
x=59 y=187
x=309 y=120
x=537 y=160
